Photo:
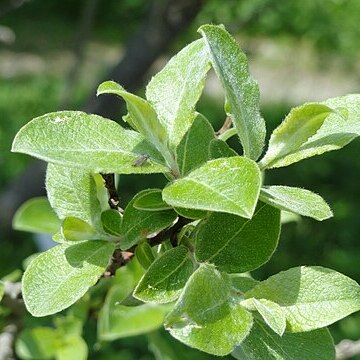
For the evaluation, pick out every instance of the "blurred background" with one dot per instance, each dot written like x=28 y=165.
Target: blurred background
x=53 y=54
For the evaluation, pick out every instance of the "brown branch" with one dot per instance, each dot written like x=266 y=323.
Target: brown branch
x=114 y=199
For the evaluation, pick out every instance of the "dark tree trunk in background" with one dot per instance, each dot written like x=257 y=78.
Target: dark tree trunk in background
x=166 y=19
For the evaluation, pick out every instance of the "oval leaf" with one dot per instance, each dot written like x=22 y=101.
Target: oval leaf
x=57 y=278
x=144 y=254
x=36 y=215
x=74 y=138
x=311 y=297
x=137 y=224
x=262 y=343
x=151 y=200
x=229 y=185
x=301 y=123
x=74 y=229
x=166 y=277
x=111 y=221
x=205 y=312
x=296 y=200
x=175 y=90
x=193 y=148
x=235 y=244
x=241 y=90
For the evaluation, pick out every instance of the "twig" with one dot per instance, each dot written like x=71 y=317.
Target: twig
x=346 y=349
x=227 y=125
x=114 y=199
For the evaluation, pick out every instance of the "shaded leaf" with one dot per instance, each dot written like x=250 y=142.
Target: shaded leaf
x=166 y=277
x=220 y=149
x=144 y=254
x=151 y=200
x=236 y=244
x=73 y=347
x=193 y=148
x=137 y=224
x=111 y=221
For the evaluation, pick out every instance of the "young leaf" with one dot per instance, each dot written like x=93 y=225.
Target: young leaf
x=37 y=343
x=151 y=200
x=74 y=138
x=119 y=321
x=299 y=201
x=72 y=347
x=144 y=254
x=337 y=131
x=137 y=224
x=220 y=149
x=111 y=222
x=241 y=91
x=193 y=148
x=74 y=229
x=36 y=215
x=271 y=312
x=228 y=185
x=175 y=90
x=311 y=297
x=57 y=278
x=205 y=312
x=166 y=277
x=262 y=343
x=235 y=244
x=73 y=192
x=191 y=213
x=143 y=117
x=301 y=123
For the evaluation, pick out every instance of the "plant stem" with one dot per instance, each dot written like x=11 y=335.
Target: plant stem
x=227 y=134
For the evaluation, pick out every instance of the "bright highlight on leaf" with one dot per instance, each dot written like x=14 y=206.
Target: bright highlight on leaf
x=205 y=312
x=57 y=278
x=241 y=90
x=310 y=297
x=228 y=185
x=296 y=200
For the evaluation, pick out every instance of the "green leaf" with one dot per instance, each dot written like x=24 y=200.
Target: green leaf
x=271 y=312
x=151 y=200
x=74 y=229
x=299 y=125
x=220 y=149
x=36 y=215
x=2 y=289
x=143 y=117
x=74 y=138
x=72 y=192
x=72 y=347
x=242 y=282
x=137 y=225
x=119 y=321
x=228 y=185
x=191 y=213
x=144 y=254
x=111 y=221
x=38 y=343
x=57 y=278
x=262 y=343
x=175 y=90
x=205 y=316
x=311 y=297
x=166 y=277
x=193 y=148
x=337 y=131
x=296 y=200
x=241 y=90
x=235 y=244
